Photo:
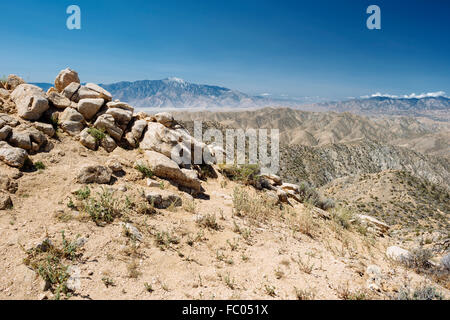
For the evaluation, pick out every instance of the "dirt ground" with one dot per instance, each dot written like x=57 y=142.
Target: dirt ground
x=292 y=254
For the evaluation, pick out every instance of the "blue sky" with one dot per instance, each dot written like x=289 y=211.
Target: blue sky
x=296 y=48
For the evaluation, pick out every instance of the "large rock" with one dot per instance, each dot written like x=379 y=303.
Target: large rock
x=380 y=227
x=108 y=144
x=5 y=131
x=106 y=122
x=64 y=78
x=14 y=81
x=72 y=127
x=176 y=144
x=163 y=140
x=89 y=107
x=20 y=139
x=273 y=179
x=7 y=184
x=93 y=173
x=71 y=121
x=31 y=101
x=46 y=128
x=166 y=168
x=165 y=119
x=163 y=199
x=87 y=140
x=121 y=116
x=397 y=254
x=5 y=201
x=120 y=105
x=8 y=120
x=289 y=186
x=71 y=91
x=14 y=157
x=137 y=129
x=58 y=100
x=103 y=93
x=87 y=93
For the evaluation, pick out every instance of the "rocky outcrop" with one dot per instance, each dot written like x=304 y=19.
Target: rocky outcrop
x=373 y=224
x=107 y=123
x=166 y=168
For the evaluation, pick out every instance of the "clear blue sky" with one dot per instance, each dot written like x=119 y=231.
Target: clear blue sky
x=298 y=48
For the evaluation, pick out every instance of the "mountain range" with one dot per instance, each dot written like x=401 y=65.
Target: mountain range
x=176 y=93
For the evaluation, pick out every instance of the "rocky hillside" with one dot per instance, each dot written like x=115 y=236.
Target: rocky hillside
x=92 y=206
x=415 y=207
x=322 y=128
x=321 y=165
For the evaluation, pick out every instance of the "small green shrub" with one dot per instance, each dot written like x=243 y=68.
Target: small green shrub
x=103 y=208
x=98 y=135
x=83 y=193
x=247 y=173
x=39 y=165
x=146 y=171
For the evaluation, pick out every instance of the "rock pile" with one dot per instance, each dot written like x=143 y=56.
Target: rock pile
x=29 y=118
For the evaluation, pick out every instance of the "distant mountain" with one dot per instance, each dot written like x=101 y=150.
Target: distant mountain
x=177 y=93
x=437 y=108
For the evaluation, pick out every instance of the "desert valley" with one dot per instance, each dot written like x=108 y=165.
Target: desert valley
x=93 y=207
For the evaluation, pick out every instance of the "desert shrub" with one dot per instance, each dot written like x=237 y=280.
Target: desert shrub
x=98 y=135
x=39 y=165
x=446 y=262
x=311 y=195
x=326 y=203
x=246 y=174
x=48 y=261
x=421 y=293
x=54 y=121
x=343 y=217
x=209 y=221
x=257 y=207
x=419 y=258
x=303 y=294
x=83 y=193
x=103 y=207
x=145 y=170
